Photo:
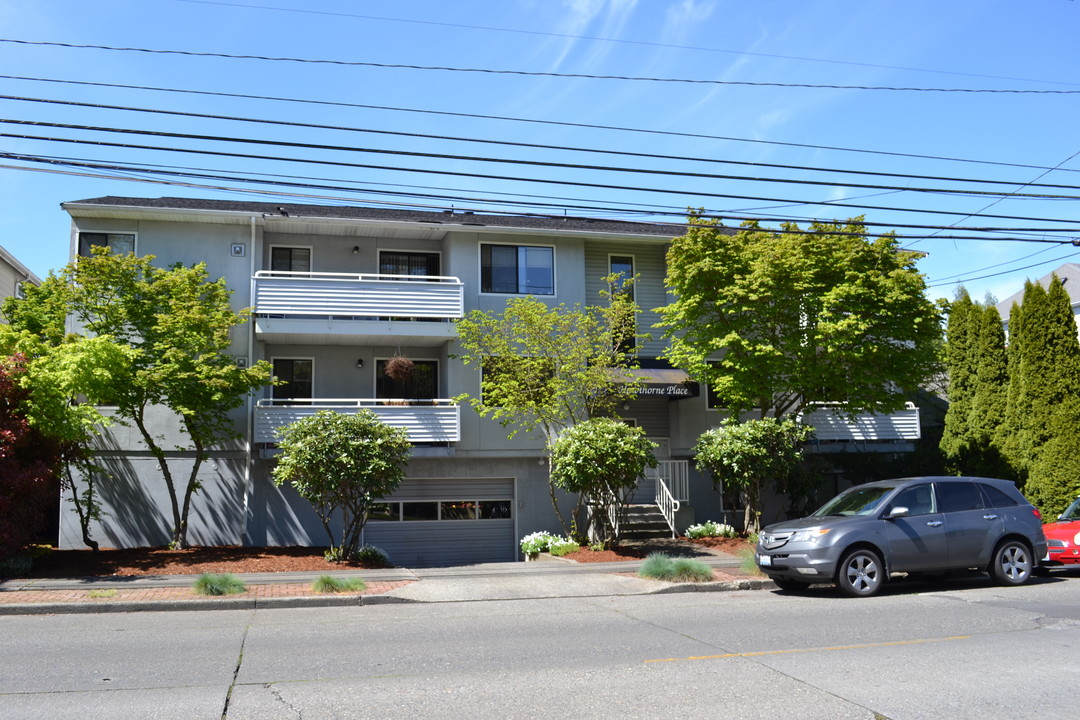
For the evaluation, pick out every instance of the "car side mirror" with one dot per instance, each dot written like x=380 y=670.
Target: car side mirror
x=898 y=511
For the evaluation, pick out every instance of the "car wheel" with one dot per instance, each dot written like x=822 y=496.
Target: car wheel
x=1012 y=564
x=861 y=573
x=790 y=585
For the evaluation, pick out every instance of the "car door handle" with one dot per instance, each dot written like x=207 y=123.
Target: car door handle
x=989 y=517
x=934 y=523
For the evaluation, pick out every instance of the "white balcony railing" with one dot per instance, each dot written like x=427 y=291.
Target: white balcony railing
x=358 y=295
x=672 y=488
x=427 y=421
x=831 y=425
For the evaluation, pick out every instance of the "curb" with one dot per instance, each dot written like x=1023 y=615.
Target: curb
x=318 y=601
x=128 y=606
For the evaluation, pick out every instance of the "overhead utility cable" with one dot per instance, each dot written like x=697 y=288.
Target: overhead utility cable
x=529 y=163
x=489 y=71
x=568 y=148
x=558 y=123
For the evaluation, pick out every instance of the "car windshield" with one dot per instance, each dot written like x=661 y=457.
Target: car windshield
x=1073 y=513
x=856 y=501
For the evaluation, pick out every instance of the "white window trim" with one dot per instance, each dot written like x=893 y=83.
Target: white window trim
x=480 y=270
x=269 y=259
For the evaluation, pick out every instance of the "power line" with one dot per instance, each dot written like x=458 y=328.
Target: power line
x=622 y=41
x=524 y=73
x=556 y=123
x=1003 y=272
x=456 y=173
x=122 y=168
x=600 y=151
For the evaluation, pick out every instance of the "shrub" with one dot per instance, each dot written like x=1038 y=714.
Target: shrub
x=710 y=529
x=561 y=546
x=537 y=542
x=330 y=584
x=224 y=584
x=372 y=555
x=659 y=566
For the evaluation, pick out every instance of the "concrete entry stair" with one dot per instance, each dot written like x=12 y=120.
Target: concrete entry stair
x=644 y=522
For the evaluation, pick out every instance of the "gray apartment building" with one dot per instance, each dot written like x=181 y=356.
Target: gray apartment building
x=336 y=292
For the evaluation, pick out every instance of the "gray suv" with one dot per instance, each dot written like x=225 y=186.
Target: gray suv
x=910 y=525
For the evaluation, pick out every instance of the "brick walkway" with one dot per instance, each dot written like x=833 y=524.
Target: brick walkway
x=31 y=597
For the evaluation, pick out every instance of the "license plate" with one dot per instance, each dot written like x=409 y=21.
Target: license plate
x=764 y=560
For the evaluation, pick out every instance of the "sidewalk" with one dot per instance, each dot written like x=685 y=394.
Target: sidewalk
x=553 y=578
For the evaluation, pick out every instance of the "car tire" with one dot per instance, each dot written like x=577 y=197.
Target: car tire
x=790 y=585
x=861 y=573
x=1013 y=563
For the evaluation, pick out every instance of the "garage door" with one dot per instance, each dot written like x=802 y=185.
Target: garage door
x=428 y=523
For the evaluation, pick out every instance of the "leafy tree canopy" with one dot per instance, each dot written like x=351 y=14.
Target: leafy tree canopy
x=174 y=325
x=775 y=319
x=342 y=463
x=550 y=367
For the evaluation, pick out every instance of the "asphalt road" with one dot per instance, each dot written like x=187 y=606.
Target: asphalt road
x=962 y=649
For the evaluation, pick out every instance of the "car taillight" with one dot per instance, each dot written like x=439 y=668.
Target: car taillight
x=1036 y=513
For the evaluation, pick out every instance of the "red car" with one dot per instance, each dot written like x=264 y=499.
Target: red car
x=1063 y=538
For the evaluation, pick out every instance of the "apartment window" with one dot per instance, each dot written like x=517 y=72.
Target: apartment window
x=423 y=385
x=295 y=375
x=622 y=267
x=119 y=243
x=441 y=510
x=290 y=259
x=408 y=263
x=517 y=269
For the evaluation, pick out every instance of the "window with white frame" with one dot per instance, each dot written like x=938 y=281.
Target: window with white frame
x=290 y=259
x=119 y=243
x=517 y=269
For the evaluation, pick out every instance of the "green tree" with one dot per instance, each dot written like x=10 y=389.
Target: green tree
x=342 y=464
x=977 y=387
x=752 y=456
x=601 y=459
x=773 y=320
x=176 y=324
x=961 y=353
x=548 y=368
x=65 y=379
x=1050 y=377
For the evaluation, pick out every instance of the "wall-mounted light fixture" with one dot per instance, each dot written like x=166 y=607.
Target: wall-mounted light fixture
x=356 y=250
x=360 y=362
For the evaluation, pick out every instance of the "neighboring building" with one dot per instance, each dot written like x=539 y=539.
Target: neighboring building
x=1069 y=273
x=336 y=292
x=13 y=275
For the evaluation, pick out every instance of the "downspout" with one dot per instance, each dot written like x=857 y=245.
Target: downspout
x=249 y=459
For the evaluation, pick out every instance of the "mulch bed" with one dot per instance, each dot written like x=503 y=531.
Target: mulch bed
x=111 y=562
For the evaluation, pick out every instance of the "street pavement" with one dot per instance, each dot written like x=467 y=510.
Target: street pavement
x=548 y=578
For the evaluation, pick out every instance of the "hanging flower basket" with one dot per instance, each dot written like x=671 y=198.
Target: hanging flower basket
x=399 y=368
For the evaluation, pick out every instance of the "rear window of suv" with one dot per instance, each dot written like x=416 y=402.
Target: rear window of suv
x=958 y=496
x=998 y=498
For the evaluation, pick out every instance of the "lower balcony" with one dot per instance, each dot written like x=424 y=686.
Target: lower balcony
x=427 y=421
x=832 y=426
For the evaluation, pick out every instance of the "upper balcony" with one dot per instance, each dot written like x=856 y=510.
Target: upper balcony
x=832 y=426
x=311 y=308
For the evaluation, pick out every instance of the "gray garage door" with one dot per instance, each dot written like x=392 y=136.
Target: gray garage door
x=428 y=523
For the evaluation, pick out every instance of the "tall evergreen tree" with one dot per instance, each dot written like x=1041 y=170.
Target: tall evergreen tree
x=1052 y=360
x=1009 y=434
x=961 y=347
x=990 y=395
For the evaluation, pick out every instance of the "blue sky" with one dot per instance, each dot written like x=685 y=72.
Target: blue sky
x=743 y=58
